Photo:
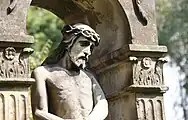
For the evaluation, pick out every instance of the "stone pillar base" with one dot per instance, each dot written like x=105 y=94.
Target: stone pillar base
x=15 y=99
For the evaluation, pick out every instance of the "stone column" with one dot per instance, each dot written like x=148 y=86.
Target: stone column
x=133 y=82
x=132 y=76
x=14 y=68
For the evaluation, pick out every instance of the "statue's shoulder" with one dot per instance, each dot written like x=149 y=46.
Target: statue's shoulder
x=48 y=68
x=40 y=69
x=91 y=74
x=56 y=70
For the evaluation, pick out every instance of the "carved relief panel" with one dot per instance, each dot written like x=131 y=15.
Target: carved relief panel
x=148 y=71
x=13 y=63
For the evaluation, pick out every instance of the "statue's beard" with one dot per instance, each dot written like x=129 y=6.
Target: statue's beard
x=80 y=63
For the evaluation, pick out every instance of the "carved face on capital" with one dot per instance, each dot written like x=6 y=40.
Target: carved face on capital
x=80 y=51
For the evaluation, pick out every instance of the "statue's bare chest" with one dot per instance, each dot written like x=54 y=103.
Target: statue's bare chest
x=65 y=87
x=62 y=81
x=71 y=93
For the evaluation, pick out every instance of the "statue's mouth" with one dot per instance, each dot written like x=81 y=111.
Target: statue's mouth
x=83 y=58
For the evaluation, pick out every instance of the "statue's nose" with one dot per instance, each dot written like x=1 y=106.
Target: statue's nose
x=87 y=51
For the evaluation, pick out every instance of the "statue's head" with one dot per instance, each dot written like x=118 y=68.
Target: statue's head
x=78 y=41
x=72 y=32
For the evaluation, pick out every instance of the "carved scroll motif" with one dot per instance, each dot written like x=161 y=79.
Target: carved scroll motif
x=12 y=6
x=148 y=72
x=140 y=12
x=11 y=66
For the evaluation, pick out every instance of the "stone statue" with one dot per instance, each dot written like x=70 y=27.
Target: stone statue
x=65 y=89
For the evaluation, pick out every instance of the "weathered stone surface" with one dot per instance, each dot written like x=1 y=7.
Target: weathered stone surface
x=122 y=107
x=126 y=51
x=115 y=78
x=13 y=17
x=142 y=20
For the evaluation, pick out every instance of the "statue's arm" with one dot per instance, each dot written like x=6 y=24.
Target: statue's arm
x=100 y=110
x=41 y=110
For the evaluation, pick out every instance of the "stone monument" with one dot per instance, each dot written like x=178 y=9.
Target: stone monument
x=65 y=89
x=129 y=61
x=14 y=68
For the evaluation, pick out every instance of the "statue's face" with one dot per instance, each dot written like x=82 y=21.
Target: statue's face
x=80 y=51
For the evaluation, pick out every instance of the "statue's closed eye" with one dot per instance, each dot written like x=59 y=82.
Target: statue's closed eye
x=84 y=43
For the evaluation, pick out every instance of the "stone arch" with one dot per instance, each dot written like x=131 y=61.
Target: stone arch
x=106 y=16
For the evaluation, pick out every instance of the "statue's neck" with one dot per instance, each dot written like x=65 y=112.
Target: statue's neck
x=65 y=62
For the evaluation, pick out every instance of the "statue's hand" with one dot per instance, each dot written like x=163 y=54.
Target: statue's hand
x=86 y=118
x=92 y=118
x=89 y=118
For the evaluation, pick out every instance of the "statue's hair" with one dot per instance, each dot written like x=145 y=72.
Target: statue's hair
x=70 y=35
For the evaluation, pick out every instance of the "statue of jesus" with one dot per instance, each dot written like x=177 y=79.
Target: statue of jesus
x=65 y=89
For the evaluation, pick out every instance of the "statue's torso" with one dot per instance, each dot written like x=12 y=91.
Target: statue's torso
x=69 y=96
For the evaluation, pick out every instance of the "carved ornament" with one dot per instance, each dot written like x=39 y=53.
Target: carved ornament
x=12 y=64
x=12 y=6
x=9 y=53
x=147 y=71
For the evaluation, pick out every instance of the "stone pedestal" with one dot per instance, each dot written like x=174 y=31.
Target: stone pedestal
x=14 y=65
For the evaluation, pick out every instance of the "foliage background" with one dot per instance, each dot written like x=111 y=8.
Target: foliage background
x=173 y=32
x=46 y=29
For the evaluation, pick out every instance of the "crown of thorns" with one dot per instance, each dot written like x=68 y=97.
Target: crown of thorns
x=81 y=29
